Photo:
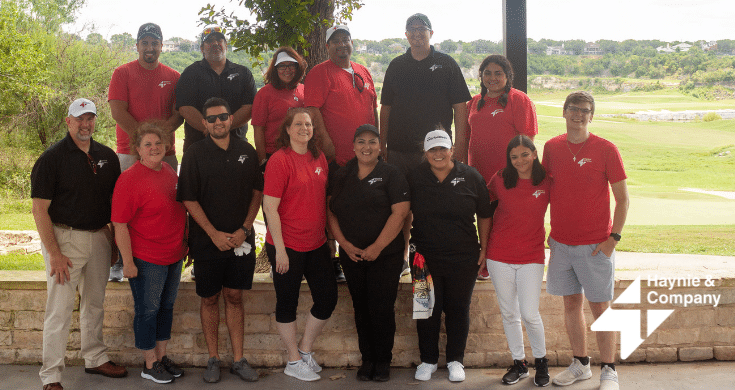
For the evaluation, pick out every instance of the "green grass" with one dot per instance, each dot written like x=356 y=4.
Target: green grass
x=22 y=262
x=701 y=240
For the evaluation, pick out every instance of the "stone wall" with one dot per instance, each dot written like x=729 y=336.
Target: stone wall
x=691 y=333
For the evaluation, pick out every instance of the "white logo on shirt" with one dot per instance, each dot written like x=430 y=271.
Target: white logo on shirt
x=164 y=83
x=435 y=67
x=318 y=170
x=584 y=161
x=375 y=180
x=498 y=111
x=457 y=180
x=242 y=158
x=101 y=163
x=538 y=193
x=296 y=98
x=232 y=76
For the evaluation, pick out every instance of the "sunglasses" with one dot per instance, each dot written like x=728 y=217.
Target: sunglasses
x=210 y=30
x=213 y=118
x=91 y=163
x=358 y=82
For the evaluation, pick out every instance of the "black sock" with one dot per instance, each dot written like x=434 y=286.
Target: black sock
x=611 y=365
x=584 y=360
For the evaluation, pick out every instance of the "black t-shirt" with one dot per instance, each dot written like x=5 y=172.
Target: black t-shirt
x=222 y=181
x=444 y=212
x=80 y=198
x=199 y=82
x=420 y=95
x=362 y=207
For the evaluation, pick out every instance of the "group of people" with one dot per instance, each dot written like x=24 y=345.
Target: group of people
x=326 y=170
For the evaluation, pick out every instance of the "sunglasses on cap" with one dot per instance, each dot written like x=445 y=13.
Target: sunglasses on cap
x=213 y=29
x=213 y=118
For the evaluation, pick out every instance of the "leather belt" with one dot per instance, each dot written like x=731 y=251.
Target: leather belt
x=67 y=227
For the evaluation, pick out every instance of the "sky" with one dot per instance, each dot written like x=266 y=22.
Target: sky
x=464 y=20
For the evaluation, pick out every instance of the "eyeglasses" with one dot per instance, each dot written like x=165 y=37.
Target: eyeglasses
x=210 y=30
x=213 y=118
x=412 y=30
x=91 y=163
x=282 y=67
x=343 y=41
x=358 y=82
x=583 y=111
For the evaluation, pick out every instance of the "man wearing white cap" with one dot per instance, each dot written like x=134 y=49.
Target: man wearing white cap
x=71 y=187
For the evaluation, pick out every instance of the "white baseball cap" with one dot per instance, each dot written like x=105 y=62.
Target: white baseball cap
x=284 y=57
x=334 y=29
x=82 y=106
x=437 y=138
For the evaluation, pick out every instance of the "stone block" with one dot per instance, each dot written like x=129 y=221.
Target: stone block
x=266 y=342
x=690 y=354
x=28 y=320
x=188 y=322
x=690 y=317
x=188 y=301
x=257 y=323
x=661 y=355
x=29 y=356
x=74 y=341
x=498 y=359
x=6 y=338
x=474 y=359
x=181 y=342
x=31 y=300
x=717 y=335
x=118 y=319
x=275 y=360
x=74 y=358
x=27 y=339
x=261 y=302
x=118 y=299
x=340 y=322
x=563 y=357
x=724 y=316
x=639 y=355
x=6 y=319
x=674 y=337
x=724 y=352
x=7 y=356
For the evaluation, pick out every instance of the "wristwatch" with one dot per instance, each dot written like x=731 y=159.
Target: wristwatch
x=615 y=236
x=247 y=231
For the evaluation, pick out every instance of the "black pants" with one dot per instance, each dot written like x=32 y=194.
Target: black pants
x=453 y=288
x=316 y=266
x=373 y=286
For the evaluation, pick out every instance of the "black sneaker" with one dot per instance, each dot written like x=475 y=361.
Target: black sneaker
x=157 y=373
x=338 y=274
x=542 y=372
x=365 y=372
x=171 y=367
x=382 y=372
x=516 y=372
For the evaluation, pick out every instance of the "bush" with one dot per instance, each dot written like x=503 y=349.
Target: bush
x=711 y=116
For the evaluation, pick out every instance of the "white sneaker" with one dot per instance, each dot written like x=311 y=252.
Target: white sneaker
x=424 y=371
x=575 y=372
x=301 y=371
x=609 y=379
x=308 y=358
x=456 y=371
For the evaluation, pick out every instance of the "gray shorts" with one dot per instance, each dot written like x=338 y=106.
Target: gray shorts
x=405 y=162
x=573 y=270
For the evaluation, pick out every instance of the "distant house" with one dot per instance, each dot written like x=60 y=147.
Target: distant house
x=361 y=49
x=711 y=45
x=397 y=48
x=593 y=49
x=557 y=50
x=168 y=46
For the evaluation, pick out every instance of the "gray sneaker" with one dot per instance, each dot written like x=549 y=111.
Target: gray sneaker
x=242 y=369
x=301 y=371
x=308 y=358
x=212 y=374
x=116 y=273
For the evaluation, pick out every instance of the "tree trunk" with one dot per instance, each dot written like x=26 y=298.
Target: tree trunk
x=318 y=50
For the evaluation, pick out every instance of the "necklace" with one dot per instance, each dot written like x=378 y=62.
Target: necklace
x=574 y=155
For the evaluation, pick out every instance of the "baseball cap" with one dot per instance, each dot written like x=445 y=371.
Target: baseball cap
x=423 y=18
x=334 y=29
x=364 y=128
x=437 y=138
x=82 y=106
x=284 y=57
x=150 y=29
x=213 y=29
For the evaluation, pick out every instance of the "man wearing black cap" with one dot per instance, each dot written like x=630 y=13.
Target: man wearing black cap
x=71 y=188
x=214 y=76
x=142 y=90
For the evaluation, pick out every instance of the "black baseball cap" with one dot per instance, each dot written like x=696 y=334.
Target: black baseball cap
x=364 y=128
x=150 y=29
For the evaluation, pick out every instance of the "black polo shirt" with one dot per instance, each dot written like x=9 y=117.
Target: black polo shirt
x=199 y=82
x=222 y=181
x=80 y=198
x=362 y=207
x=444 y=212
x=420 y=95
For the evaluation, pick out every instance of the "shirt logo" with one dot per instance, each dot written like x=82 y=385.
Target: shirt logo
x=101 y=163
x=164 y=83
x=457 y=180
x=375 y=180
x=296 y=98
x=584 y=161
x=498 y=111
x=318 y=170
x=435 y=67
x=232 y=76
x=538 y=193
x=242 y=158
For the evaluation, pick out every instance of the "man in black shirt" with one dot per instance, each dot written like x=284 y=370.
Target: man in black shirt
x=71 y=188
x=221 y=185
x=214 y=76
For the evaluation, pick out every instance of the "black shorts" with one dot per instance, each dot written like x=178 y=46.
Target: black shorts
x=232 y=272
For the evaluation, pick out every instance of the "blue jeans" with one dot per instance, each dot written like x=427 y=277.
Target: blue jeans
x=154 y=293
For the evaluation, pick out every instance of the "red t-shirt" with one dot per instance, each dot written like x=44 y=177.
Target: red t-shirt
x=300 y=181
x=518 y=233
x=336 y=92
x=492 y=127
x=146 y=200
x=150 y=94
x=270 y=107
x=580 y=194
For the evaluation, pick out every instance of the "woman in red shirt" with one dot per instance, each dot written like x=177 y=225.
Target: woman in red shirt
x=515 y=254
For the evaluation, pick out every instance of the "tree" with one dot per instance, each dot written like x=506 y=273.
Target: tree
x=124 y=41
x=95 y=39
x=301 y=24
x=448 y=46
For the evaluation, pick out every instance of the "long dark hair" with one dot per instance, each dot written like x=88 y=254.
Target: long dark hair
x=502 y=62
x=284 y=140
x=271 y=75
x=510 y=174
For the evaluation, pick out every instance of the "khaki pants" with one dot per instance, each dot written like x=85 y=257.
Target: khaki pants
x=89 y=253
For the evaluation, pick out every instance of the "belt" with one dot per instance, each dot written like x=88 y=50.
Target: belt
x=67 y=227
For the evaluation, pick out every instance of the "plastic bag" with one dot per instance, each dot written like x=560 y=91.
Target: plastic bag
x=423 y=287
